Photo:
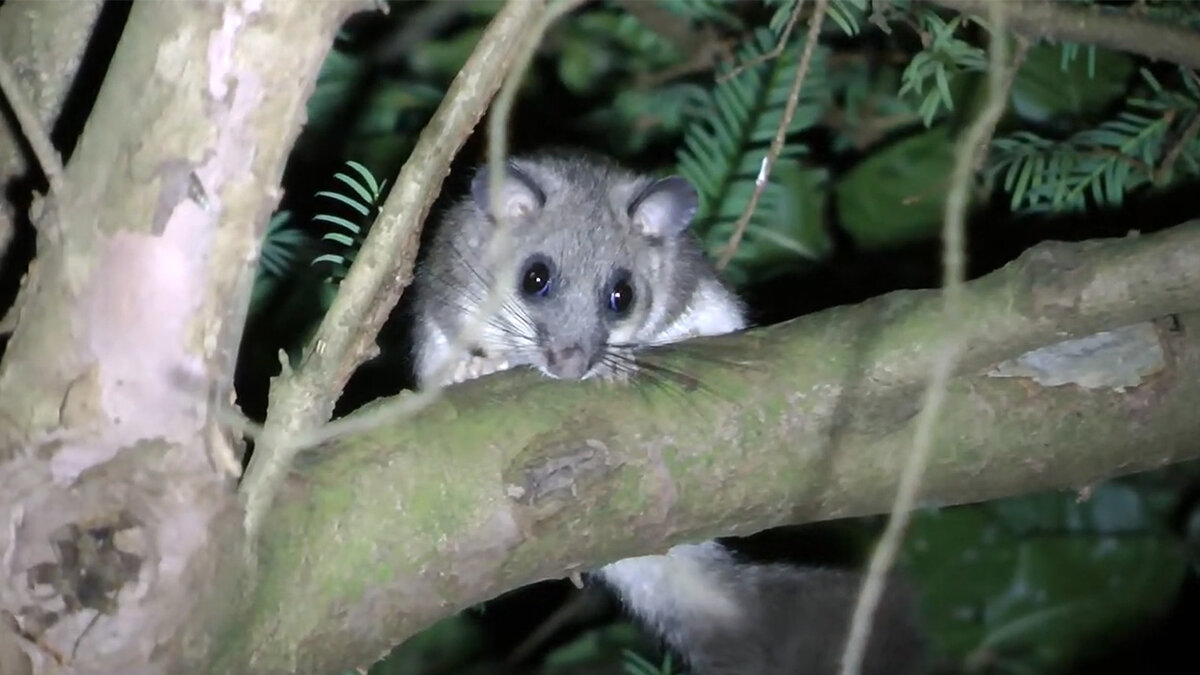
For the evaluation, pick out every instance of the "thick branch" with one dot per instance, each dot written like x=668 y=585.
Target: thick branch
x=1122 y=31
x=512 y=478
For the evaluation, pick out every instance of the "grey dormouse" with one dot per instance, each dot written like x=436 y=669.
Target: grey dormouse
x=596 y=262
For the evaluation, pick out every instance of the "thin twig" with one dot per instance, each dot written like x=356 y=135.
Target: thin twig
x=497 y=151
x=974 y=142
x=383 y=268
x=702 y=47
x=410 y=403
x=1019 y=55
x=775 y=52
x=1176 y=150
x=1121 y=30
x=32 y=129
x=764 y=173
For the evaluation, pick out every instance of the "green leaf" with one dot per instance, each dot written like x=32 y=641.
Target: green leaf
x=897 y=195
x=1029 y=584
x=362 y=209
x=441 y=59
x=367 y=177
x=1068 y=593
x=723 y=150
x=581 y=65
x=1045 y=90
x=340 y=222
x=968 y=546
x=339 y=238
x=339 y=73
x=363 y=193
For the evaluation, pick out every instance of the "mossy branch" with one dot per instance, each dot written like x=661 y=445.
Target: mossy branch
x=512 y=478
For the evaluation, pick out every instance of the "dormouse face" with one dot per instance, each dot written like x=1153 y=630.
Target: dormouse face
x=589 y=261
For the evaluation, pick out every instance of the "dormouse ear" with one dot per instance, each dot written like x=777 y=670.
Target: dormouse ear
x=519 y=194
x=665 y=208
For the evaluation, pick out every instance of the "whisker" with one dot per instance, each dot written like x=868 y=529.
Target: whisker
x=689 y=350
x=640 y=364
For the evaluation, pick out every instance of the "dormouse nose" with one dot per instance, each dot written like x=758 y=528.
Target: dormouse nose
x=569 y=361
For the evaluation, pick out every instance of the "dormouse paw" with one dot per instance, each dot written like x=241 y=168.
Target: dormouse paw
x=476 y=366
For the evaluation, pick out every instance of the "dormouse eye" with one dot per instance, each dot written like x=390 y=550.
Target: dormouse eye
x=536 y=277
x=620 y=293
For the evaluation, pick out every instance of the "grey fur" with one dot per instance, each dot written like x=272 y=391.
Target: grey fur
x=589 y=218
x=728 y=617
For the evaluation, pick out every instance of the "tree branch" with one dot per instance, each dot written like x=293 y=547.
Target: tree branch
x=44 y=42
x=1124 y=31
x=36 y=134
x=512 y=478
x=781 y=132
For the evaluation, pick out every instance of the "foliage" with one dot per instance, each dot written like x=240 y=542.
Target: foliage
x=1146 y=143
x=612 y=59
x=1043 y=579
x=364 y=197
x=847 y=15
x=636 y=664
x=722 y=153
x=897 y=178
x=863 y=169
x=946 y=57
x=280 y=253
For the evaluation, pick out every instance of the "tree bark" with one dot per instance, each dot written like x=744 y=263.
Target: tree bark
x=116 y=485
x=511 y=478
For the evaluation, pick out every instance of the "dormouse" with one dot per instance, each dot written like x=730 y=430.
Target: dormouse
x=593 y=263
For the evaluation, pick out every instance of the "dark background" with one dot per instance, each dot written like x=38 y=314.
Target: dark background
x=857 y=200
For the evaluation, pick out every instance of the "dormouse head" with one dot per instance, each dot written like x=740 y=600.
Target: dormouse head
x=597 y=257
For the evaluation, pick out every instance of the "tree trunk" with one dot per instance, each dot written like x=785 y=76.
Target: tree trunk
x=116 y=483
